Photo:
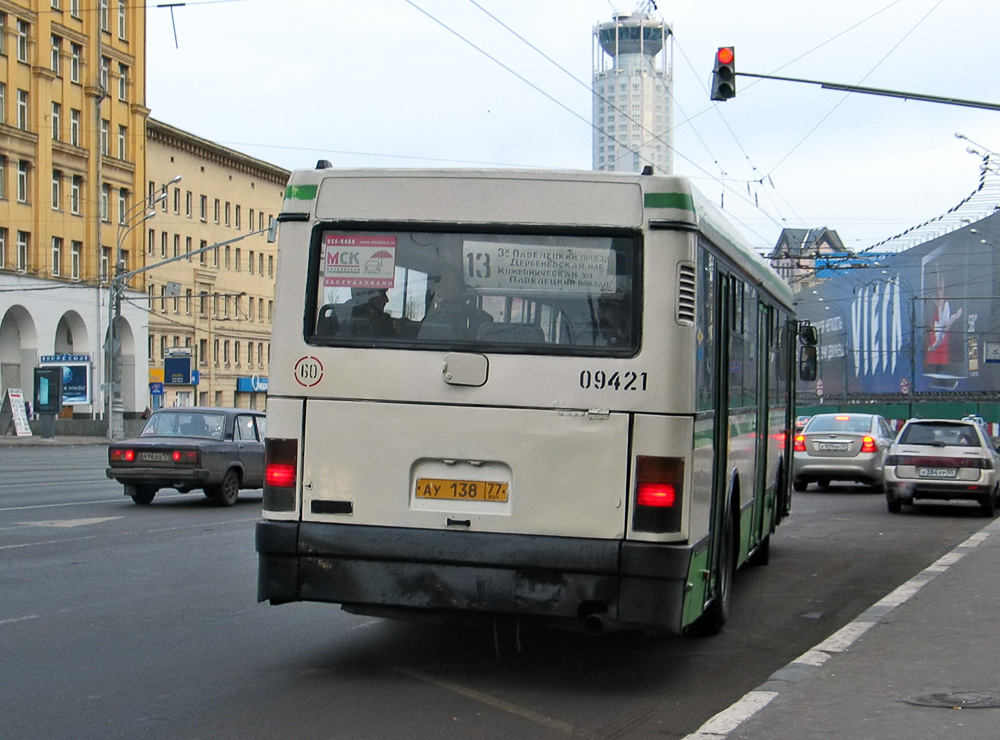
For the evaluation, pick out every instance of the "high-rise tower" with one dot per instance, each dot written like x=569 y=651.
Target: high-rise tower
x=633 y=80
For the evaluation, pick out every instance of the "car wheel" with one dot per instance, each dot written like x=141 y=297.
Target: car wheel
x=800 y=485
x=226 y=493
x=143 y=495
x=894 y=504
x=989 y=504
x=823 y=483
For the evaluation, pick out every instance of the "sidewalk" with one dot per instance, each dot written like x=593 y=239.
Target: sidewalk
x=921 y=664
x=10 y=440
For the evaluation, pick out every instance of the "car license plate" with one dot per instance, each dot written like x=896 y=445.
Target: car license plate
x=154 y=456
x=831 y=446
x=461 y=490
x=937 y=472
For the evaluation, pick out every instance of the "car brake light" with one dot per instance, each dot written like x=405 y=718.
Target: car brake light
x=868 y=444
x=281 y=457
x=188 y=457
x=659 y=485
x=121 y=455
x=800 y=443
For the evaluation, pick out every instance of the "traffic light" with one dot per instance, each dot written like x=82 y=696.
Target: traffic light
x=724 y=74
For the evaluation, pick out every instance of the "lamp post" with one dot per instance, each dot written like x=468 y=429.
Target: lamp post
x=130 y=220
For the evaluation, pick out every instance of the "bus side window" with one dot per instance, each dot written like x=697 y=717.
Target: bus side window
x=326 y=324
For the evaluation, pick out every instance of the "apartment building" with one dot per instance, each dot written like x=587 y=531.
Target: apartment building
x=212 y=298
x=72 y=178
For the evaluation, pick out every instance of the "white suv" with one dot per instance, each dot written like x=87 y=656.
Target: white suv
x=942 y=459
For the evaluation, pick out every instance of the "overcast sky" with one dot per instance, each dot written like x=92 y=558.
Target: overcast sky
x=385 y=83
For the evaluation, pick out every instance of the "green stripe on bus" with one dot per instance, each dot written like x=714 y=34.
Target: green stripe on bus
x=683 y=201
x=301 y=192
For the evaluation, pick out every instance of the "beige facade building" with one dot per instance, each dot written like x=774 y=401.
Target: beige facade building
x=72 y=177
x=209 y=312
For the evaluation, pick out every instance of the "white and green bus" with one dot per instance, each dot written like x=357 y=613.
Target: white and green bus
x=528 y=394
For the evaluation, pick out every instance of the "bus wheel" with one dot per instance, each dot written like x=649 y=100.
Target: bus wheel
x=762 y=555
x=715 y=616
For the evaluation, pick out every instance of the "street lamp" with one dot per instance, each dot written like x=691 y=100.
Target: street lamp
x=132 y=218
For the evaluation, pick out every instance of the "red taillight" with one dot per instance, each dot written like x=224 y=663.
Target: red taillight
x=280 y=474
x=121 y=455
x=659 y=488
x=281 y=457
x=800 y=443
x=188 y=457
x=656 y=494
x=868 y=444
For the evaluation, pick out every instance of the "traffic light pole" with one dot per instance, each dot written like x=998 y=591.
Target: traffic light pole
x=880 y=91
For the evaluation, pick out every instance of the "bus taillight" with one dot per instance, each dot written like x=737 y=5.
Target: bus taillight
x=280 y=465
x=659 y=488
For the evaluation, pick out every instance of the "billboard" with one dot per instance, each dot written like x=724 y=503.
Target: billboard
x=920 y=321
x=76 y=377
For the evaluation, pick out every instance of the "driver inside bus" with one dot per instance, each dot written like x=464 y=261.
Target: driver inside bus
x=367 y=311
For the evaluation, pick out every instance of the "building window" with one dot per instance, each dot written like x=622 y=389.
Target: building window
x=202 y=252
x=74 y=8
x=187 y=249
x=105 y=15
x=3 y=99
x=177 y=200
x=23 y=240
x=270 y=265
x=122 y=22
x=202 y=303
x=74 y=127
x=57 y=244
x=187 y=204
x=202 y=351
x=177 y=245
x=3 y=42
x=215 y=352
x=22 y=181
x=75 y=193
x=203 y=205
x=22 y=110
x=226 y=261
x=260 y=263
x=250 y=262
x=56 y=122
x=151 y=242
x=75 y=248
x=105 y=262
x=225 y=352
x=105 y=137
x=123 y=143
x=238 y=259
x=187 y=301
x=3 y=180
x=105 y=202
x=75 y=59
x=3 y=247
x=227 y=213
x=105 y=73
x=250 y=308
x=238 y=222
x=55 y=57
x=217 y=206
x=57 y=177
x=236 y=352
x=23 y=29
x=122 y=205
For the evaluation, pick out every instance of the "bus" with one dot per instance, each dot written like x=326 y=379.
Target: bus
x=521 y=394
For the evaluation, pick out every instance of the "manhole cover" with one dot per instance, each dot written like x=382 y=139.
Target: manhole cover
x=955 y=700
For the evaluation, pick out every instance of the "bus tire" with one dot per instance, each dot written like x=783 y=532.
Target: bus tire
x=762 y=555
x=717 y=613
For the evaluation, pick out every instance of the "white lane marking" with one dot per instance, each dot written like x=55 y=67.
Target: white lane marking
x=13 y=620
x=131 y=533
x=729 y=719
x=67 y=523
x=492 y=701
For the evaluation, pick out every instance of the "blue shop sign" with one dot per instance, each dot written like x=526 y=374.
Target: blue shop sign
x=251 y=384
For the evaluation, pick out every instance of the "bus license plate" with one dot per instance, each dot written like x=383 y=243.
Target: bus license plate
x=461 y=490
x=937 y=472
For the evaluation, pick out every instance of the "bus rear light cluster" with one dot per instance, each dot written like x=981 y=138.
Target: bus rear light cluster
x=281 y=458
x=659 y=488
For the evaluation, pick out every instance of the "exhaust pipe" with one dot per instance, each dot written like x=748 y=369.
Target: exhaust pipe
x=594 y=624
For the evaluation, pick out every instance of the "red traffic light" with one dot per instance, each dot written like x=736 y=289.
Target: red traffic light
x=725 y=55
x=724 y=74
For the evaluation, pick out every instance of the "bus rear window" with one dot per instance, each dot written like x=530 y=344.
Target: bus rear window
x=477 y=292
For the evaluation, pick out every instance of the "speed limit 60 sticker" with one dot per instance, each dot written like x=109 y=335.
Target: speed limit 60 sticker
x=308 y=371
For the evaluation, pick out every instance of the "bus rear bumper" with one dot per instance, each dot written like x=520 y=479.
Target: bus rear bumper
x=623 y=583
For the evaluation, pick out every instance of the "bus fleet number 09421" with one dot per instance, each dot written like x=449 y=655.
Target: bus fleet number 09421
x=600 y=380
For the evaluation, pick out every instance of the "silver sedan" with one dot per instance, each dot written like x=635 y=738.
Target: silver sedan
x=841 y=447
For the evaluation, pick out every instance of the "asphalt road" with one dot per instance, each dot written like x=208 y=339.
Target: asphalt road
x=125 y=621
